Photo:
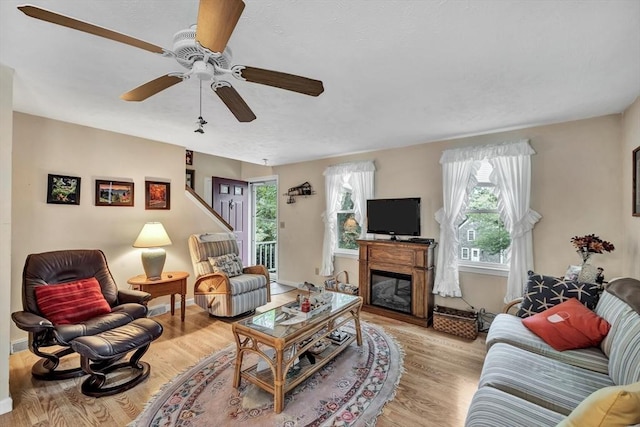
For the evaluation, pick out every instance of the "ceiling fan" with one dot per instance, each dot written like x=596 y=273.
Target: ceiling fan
x=202 y=50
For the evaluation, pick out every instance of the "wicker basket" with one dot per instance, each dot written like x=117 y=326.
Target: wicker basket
x=456 y=322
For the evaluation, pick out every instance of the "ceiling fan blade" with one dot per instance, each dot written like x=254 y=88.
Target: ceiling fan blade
x=151 y=88
x=216 y=21
x=283 y=80
x=66 y=21
x=234 y=102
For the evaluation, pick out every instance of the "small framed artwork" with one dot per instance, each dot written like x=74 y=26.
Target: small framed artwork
x=237 y=191
x=636 y=182
x=114 y=193
x=63 y=189
x=157 y=195
x=224 y=189
x=190 y=179
x=189 y=157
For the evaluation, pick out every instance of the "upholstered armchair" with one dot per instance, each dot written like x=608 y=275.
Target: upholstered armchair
x=223 y=286
x=69 y=294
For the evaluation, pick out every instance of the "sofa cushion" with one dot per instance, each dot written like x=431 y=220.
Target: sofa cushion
x=230 y=264
x=624 y=361
x=491 y=407
x=610 y=406
x=72 y=302
x=509 y=329
x=543 y=292
x=546 y=382
x=568 y=325
x=247 y=283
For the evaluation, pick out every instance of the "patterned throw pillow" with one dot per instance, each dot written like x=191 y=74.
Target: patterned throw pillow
x=230 y=264
x=543 y=292
x=72 y=302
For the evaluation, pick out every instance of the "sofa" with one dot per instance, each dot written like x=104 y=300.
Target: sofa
x=526 y=382
x=223 y=286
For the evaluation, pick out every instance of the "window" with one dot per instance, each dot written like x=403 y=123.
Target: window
x=465 y=253
x=348 y=227
x=482 y=229
x=348 y=187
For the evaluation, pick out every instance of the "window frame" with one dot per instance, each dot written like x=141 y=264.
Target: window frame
x=337 y=250
x=491 y=268
x=464 y=250
x=471 y=233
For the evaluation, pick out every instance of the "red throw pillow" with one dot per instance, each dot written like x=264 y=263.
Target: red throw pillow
x=568 y=326
x=72 y=302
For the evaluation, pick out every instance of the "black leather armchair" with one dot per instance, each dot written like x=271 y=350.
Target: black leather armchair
x=59 y=267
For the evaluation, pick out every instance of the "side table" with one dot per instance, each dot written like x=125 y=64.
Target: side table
x=171 y=283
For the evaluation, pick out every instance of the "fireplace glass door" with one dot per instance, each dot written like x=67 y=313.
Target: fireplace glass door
x=391 y=290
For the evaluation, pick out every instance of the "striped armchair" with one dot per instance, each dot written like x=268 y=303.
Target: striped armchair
x=217 y=292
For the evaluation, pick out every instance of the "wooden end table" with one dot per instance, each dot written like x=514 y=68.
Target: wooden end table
x=171 y=283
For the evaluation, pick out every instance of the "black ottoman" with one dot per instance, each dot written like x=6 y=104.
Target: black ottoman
x=100 y=352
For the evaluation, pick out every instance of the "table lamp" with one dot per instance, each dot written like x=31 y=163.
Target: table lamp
x=152 y=237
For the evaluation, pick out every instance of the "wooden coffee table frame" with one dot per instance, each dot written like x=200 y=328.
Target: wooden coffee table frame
x=274 y=380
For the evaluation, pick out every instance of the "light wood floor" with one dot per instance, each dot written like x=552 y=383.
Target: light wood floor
x=441 y=375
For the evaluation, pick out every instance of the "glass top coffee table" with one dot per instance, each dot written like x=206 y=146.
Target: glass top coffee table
x=280 y=339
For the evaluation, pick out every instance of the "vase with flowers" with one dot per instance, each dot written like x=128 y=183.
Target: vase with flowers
x=587 y=246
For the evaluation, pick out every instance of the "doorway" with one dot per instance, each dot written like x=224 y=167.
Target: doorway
x=230 y=201
x=264 y=224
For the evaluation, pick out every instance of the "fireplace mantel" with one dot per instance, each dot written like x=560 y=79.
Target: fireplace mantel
x=403 y=257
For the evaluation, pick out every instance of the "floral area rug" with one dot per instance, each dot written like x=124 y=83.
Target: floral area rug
x=349 y=391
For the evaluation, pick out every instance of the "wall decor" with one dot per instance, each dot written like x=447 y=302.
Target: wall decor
x=63 y=189
x=303 y=189
x=189 y=157
x=114 y=193
x=190 y=179
x=157 y=195
x=636 y=182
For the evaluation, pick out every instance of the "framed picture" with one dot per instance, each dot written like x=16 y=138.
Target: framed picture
x=190 y=179
x=63 y=190
x=224 y=189
x=237 y=191
x=114 y=193
x=157 y=195
x=189 y=157
x=636 y=182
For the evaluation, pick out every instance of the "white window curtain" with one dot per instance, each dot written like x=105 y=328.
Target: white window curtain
x=458 y=177
x=512 y=176
x=359 y=175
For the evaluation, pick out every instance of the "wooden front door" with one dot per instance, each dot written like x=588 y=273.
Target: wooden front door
x=230 y=200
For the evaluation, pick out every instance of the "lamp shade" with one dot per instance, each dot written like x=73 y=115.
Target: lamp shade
x=152 y=235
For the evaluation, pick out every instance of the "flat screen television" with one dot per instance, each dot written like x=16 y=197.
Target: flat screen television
x=394 y=217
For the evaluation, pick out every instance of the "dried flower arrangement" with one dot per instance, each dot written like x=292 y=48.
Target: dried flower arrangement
x=591 y=244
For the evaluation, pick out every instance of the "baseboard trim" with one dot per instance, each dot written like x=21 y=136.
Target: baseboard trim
x=296 y=285
x=6 y=405
x=22 y=344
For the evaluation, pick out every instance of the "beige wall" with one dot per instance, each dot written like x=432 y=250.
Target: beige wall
x=6 y=131
x=42 y=146
x=631 y=224
x=576 y=188
x=207 y=166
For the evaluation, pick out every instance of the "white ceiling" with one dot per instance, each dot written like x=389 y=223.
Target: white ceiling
x=395 y=72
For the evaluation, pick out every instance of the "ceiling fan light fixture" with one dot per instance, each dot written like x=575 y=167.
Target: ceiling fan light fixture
x=203 y=70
